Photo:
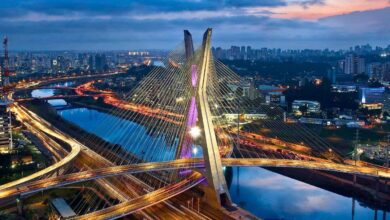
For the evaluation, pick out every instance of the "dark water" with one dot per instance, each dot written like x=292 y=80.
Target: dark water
x=264 y=193
x=273 y=196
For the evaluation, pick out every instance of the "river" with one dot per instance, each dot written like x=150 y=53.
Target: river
x=273 y=196
x=266 y=194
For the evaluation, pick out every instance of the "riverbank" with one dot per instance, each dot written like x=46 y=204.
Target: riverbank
x=99 y=145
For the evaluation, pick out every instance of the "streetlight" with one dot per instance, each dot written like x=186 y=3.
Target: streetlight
x=330 y=152
x=195 y=132
x=194 y=150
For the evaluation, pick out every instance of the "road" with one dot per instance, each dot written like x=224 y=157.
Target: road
x=38 y=123
x=34 y=123
x=23 y=85
x=63 y=180
x=147 y=200
x=111 y=99
x=53 y=182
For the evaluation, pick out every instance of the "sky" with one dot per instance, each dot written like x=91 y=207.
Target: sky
x=159 y=24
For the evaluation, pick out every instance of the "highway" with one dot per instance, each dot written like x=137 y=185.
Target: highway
x=63 y=180
x=59 y=181
x=29 y=117
x=52 y=97
x=111 y=99
x=23 y=85
x=34 y=122
x=147 y=200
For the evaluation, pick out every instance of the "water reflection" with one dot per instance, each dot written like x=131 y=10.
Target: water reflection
x=272 y=196
x=119 y=131
x=57 y=102
x=42 y=93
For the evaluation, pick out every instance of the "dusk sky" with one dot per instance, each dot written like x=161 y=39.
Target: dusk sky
x=148 y=24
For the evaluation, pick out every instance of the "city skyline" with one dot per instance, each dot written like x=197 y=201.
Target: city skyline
x=102 y=25
x=347 y=49
x=187 y=134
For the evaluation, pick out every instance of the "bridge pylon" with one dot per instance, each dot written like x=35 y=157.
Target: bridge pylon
x=217 y=191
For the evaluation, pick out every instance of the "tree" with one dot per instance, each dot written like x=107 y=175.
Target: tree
x=386 y=115
x=375 y=84
x=361 y=77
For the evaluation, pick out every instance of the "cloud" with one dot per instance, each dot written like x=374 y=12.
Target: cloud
x=368 y=25
x=320 y=202
x=15 y=8
x=307 y=3
x=98 y=24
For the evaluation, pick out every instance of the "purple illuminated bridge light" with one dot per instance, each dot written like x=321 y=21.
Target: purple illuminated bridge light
x=191 y=117
x=194 y=75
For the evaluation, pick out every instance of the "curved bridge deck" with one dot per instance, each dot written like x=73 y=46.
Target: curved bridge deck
x=53 y=182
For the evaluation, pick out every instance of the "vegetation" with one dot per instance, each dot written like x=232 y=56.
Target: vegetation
x=323 y=94
x=277 y=69
x=24 y=147
x=343 y=138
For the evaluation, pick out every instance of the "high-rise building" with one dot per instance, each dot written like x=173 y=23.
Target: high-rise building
x=243 y=53
x=386 y=72
x=5 y=121
x=91 y=63
x=100 y=62
x=5 y=128
x=375 y=71
x=249 y=52
x=354 y=65
x=5 y=115
x=234 y=52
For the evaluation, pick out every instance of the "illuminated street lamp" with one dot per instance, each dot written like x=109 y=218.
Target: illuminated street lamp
x=195 y=151
x=330 y=153
x=195 y=132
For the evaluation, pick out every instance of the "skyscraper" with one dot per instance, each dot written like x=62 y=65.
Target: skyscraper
x=5 y=116
x=243 y=53
x=100 y=62
x=91 y=63
x=5 y=128
x=249 y=52
x=375 y=71
x=354 y=65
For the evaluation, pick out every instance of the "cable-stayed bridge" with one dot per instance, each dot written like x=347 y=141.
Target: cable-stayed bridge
x=180 y=136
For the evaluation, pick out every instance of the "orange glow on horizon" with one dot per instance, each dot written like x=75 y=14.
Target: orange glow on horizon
x=315 y=12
